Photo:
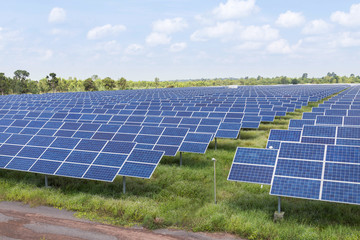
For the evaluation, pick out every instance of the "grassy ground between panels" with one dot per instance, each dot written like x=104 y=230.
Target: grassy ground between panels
x=182 y=197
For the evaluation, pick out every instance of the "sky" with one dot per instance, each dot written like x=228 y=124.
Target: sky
x=180 y=39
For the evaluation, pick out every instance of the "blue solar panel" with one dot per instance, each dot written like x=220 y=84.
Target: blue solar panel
x=319 y=131
x=68 y=143
x=301 y=151
x=90 y=145
x=342 y=172
x=329 y=120
x=193 y=147
x=177 y=132
x=347 y=154
x=227 y=134
x=341 y=192
x=4 y=160
x=145 y=156
x=9 y=150
x=55 y=154
x=318 y=140
x=18 y=139
x=255 y=156
x=108 y=159
x=250 y=124
x=152 y=130
x=31 y=152
x=119 y=147
x=251 y=173
x=299 y=123
x=198 y=137
x=168 y=150
x=101 y=173
x=140 y=170
x=124 y=137
x=81 y=157
x=46 y=167
x=167 y=140
x=299 y=168
x=147 y=139
x=348 y=132
x=352 y=121
x=284 y=135
x=72 y=170
x=293 y=187
x=19 y=163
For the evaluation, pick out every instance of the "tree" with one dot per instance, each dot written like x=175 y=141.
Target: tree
x=294 y=81
x=4 y=84
x=108 y=83
x=89 y=85
x=53 y=82
x=157 y=80
x=20 y=81
x=121 y=83
x=43 y=85
x=284 y=80
x=304 y=76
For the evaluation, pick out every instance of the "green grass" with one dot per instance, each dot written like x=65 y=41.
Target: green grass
x=182 y=197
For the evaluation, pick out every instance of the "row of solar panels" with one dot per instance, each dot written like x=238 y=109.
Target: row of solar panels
x=65 y=144
x=320 y=160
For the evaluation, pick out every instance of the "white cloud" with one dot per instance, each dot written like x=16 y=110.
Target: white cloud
x=169 y=25
x=220 y=30
x=231 y=30
x=317 y=26
x=47 y=54
x=134 y=49
x=290 y=19
x=57 y=15
x=282 y=46
x=110 y=47
x=249 y=46
x=178 y=47
x=348 y=19
x=347 y=39
x=156 y=38
x=259 y=33
x=235 y=9
x=105 y=31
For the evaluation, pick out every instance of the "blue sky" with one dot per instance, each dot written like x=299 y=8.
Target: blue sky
x=180 y=39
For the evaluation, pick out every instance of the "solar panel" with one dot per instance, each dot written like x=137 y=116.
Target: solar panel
x=253 y=165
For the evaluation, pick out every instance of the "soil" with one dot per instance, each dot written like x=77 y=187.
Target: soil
x=19 y=221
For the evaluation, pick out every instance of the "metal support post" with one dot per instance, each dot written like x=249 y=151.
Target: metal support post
x=124 y=184
x=279 y=204
x=180 y=158
x=214 y=160
x=215 y=143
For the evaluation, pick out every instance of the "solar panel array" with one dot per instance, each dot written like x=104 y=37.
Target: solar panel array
x=319 y=156
x=98 y=135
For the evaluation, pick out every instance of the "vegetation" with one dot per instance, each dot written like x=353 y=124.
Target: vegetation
x=182 y=197
x=21 y=83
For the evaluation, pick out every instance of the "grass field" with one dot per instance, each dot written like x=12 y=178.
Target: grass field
x=182 y=197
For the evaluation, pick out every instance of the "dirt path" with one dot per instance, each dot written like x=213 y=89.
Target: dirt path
x=18 y=221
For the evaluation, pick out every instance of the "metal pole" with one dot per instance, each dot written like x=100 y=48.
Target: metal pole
x=124 y=184
x=215 y=143
x=279 y=204
x=46 y=181
x=180 y=158
x=214 y=160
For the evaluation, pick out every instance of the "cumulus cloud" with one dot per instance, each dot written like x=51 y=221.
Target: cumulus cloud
x=235 y=31
x=347 y=39
x=220 y=30
x=235 y=9
x=134 y=49
x=110 y=47
x=105 y=31
x=156 y=38
x=290 y=19
x=249 y=46
x=259 y=33
x=281 y=46
x=178 y=47
x=169 y=25
x=350 y=19
x=57 y=15
x=317 y=26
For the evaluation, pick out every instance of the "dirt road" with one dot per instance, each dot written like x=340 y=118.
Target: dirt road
x=18 y=221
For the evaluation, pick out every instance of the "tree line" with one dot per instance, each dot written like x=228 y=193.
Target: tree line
x=21 y=82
